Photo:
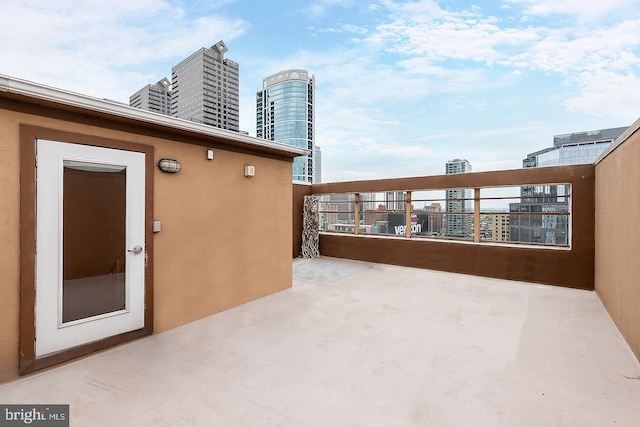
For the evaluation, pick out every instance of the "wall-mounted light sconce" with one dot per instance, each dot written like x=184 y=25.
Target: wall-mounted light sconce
x=249 y=171
x=169 y=165
x=209 y=154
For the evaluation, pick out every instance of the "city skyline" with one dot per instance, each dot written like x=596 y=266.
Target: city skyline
x=403 y=86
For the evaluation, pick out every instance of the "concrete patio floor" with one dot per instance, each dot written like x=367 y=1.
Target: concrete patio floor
x=361 y=344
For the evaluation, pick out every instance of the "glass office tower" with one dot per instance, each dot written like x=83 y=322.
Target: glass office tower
x=285 y=114
x=568 y=149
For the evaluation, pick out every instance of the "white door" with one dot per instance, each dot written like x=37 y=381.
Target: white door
x=90 y=247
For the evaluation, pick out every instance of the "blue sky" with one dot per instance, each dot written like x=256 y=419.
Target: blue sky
x=402 y=86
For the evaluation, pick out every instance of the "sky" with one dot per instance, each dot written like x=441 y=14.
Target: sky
x=401 y=86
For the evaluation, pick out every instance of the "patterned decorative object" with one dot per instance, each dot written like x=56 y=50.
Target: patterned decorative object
x=310 y=227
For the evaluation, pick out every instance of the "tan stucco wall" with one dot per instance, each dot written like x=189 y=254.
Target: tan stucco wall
x=225 y=239
x=617 y=260
x=9 y=249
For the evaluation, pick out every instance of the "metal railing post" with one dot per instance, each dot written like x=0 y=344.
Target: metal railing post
x=407 y=213
x=356 y=218
x=476 y=215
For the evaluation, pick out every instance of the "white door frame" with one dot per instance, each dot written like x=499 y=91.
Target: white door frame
x=52 y=335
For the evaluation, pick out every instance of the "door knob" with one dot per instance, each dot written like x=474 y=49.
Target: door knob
x=136 y=249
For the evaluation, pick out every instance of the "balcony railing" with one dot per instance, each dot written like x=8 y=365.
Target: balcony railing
x=529 y=215
x=534 y=224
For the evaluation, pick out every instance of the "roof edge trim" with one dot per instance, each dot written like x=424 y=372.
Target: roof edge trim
x=619 y=141
x=47 y=93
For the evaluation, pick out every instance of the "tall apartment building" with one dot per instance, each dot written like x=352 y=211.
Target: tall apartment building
x=500 y=227
x=549 y=204
x=394 y=200
x=206 y=89
x=456 y=223
x=317 y=164
x=285 y=113
x=368 y=201
x=156 y=97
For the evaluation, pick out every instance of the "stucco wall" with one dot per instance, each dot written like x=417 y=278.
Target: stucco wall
x=617 y=264
x=9 y=250
x=225 y=239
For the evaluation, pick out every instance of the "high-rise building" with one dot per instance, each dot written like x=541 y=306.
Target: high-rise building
x=394 y=200
x=500 y=227
x=156 y=97
x=205 y=88
x=368 y=201
x=574 y=148
x=285 y=113
x=549 y=204
x=317 y=165
x=458 y=201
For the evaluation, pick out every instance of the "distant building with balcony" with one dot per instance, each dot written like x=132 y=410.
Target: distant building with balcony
x=568 y=149
x=285 y=113
x=205 y=88
x=457 y=223
x=153 y=97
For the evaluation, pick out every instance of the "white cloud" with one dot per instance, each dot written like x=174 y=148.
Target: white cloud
x=367 y=92
x=92 y=46
x=584 y=9
x=373 y=114
x=320 y=8
x=397 y=79
x=605 y=93
x=346 y=28
x=458 y=49
x=566 y=52
x=516 y=130
x=453 y=37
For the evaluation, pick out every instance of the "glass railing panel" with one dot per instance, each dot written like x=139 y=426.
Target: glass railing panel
x=337 y=212
x=459 y=213
x=382 y=213
x=528 y=214
x=382 y=221
x=428 y=211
